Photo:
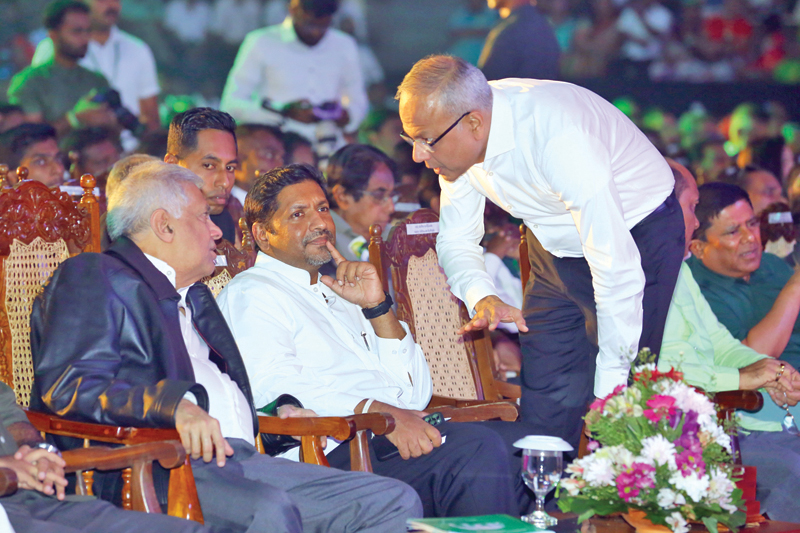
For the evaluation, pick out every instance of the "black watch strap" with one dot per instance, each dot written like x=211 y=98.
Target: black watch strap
x=380 y=309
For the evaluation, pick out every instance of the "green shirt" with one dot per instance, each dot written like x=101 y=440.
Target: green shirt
x=52 y=89
x=708 y=355
x=740 y=304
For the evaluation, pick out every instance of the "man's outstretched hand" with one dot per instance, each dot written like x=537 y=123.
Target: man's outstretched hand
x=200 y=433
x=489 y=312
x=356 y=281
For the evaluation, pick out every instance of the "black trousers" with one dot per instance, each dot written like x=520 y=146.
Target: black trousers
x=476 y=471
x=560 y=349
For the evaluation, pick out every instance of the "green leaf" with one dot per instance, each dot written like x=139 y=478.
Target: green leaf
x=711 y=523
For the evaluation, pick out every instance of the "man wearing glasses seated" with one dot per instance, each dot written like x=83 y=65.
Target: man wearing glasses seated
x=596 y=198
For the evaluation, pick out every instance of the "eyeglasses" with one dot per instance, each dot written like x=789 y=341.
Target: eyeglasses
x=380 y=195
x=427 y=144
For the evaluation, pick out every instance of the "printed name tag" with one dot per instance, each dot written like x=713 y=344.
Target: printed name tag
x=221 y=261
x=422 y=229
x=74 y=190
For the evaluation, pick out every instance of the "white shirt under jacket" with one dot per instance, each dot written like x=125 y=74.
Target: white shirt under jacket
x=226 y=401
x=580 y=175
x=301 y=339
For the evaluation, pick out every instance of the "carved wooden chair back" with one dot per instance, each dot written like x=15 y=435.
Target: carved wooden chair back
x=39 y=229
x=460 y=365
x=231 y=261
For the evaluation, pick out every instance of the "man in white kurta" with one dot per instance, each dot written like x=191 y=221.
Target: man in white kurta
x=593 y=193
x=336 y=345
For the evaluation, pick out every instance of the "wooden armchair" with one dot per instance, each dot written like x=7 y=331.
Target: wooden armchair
x=461 y=365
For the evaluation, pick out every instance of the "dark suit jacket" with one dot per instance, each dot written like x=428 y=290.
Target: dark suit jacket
x=107 y=345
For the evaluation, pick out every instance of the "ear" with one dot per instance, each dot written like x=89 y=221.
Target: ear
x=698 y=248
x=260 y=235
x=172 y=159
x=342 y=198
x=476 y=123
x=160 y=222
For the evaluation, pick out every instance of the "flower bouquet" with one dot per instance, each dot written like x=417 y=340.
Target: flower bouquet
x=658 y=449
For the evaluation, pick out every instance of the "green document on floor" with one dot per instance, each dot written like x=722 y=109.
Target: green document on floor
x=494 y=523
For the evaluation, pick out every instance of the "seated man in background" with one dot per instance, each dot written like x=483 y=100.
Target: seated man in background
x=157 y=353
x=38 y=506
x=763 y=188
x=337 y=346
x=360 y=182
x=34 y=147
x=260 y=150
x=709 y=357
x=97 y=149
x=60 y=91
x=204 y=141
x=756 y=296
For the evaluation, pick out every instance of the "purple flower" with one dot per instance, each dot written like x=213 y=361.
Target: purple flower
x=689 y=439
x=634 y=478
x=690 y=461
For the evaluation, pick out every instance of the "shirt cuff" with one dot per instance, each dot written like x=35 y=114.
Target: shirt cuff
x=606 y=379
x=191 y=397
x=477 y=291
x=726 y=378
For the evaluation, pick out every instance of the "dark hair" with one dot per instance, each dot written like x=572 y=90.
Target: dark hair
x=773 y=231
x=320 y=8
x=183 y=129
x=246 y=130
x=153 y=143
x=56 y=12
x=81 y=139
x=262 y=200
x=291 y=141
x=680 y=182
x=714 y=197
x=351 y=167
x=15 y=141
x=768 y=154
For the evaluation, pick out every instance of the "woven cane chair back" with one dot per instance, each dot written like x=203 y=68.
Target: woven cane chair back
x=460 y=365
x=39 y=229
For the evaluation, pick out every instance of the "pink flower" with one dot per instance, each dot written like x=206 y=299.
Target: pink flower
x=598 y=405
x=592 y=445
x=660 y=406
x=634 y=478
x=690 y=461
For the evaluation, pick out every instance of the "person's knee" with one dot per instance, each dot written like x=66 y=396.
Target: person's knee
x=479 y=446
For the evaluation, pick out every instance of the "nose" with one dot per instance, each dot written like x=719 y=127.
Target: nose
x=749 y=234
x=419 y=154
x=216 y=233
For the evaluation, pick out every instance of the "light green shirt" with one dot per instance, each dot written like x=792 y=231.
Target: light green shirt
x=707 y=354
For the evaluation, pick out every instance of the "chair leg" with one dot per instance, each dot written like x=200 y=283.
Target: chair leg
x=144 y=493
x=183 y=500
x=359 y=453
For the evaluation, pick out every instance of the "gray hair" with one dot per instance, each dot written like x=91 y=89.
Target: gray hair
x=149 y=187
x=122 y=168
x=456 y=85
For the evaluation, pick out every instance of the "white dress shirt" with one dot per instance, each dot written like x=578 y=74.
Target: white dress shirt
x=189 y=22
x=301 y=339
x=580 y=175
x=126 y=62
x=232 y=20
x=239 y=193
x=273 y=63
x=226 y=402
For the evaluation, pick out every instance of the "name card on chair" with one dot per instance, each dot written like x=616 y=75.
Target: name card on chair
x=221 y=261
x=75 y=190
x=422 y=229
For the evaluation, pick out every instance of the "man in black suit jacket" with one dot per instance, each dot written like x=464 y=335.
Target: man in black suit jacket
x=129 y=337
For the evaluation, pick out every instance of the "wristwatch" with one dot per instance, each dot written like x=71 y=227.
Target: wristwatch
x=46 y=446
x=380 y=309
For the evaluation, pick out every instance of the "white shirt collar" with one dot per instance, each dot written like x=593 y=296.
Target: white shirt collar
x=297 y=275
x=163 y=267
x=288 y=34
x=501 y=130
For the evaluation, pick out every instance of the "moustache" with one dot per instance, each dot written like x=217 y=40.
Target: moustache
x=316 y=235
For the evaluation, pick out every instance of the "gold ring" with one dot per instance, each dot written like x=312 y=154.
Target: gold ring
x=780 y=372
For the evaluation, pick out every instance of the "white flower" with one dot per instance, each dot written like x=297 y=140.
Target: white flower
x=658 y=450
x=641 y=368
x=677 y=523
x=696 y=487
x=572 y=486
x=599 y=472
x=669 y=498
x=619 y=455
x=720 y=488
x=714 y=431
x=688 y=399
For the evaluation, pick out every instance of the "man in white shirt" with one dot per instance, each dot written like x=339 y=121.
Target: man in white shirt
x=336 y=345
x=153 y=351
x=125 y=61
x=605 y=230
x=284 y=73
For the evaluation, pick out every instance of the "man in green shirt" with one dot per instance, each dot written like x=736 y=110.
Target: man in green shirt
x=755 y=295
x=711 y=358
x=60 y=91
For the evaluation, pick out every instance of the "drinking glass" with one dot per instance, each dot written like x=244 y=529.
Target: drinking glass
x=542 y=465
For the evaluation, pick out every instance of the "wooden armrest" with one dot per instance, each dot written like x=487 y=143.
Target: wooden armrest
x=508 y=390
x=477 y=413
x=444 y=401
x=8 y=481
x=85 y=430
x=169 y=454
x=746 y=400
x=340 y=428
